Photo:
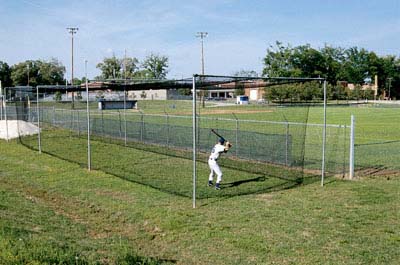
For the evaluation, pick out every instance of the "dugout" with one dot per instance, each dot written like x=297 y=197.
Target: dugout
x=117 y=104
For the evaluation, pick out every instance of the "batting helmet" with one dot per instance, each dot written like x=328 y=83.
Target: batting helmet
x=221 y=140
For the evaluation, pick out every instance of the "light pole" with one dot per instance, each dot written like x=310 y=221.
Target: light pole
x=72 y=31
x=202 y=35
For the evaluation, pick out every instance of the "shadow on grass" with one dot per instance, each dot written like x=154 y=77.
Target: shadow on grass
x=271 y=178
x=240 y=182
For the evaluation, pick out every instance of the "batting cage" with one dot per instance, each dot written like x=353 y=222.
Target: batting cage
x=164 y=133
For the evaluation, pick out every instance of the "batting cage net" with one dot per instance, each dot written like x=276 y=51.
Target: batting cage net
x=159 y=134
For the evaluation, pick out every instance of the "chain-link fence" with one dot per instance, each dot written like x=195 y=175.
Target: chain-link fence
x=268 y=141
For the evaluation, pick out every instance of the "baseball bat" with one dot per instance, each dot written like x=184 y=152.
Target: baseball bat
x=216 y=133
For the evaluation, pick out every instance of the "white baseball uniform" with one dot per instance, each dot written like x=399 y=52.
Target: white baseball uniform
x=212 y=162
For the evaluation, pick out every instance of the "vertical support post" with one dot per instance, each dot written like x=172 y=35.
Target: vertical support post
x=323 y=140
x=5 y=112
x=1 y=107
x=72 y=123
x=287 y=144
x=79 y=124
x=141 y=127
x=125 y=116
x=102 y=123
x=88 y=119
x=167 y=118
x=54 y=116
x=120 y=126
x=29 y=109
x=1 y=97
x=351 y=166
x=194 y=140
x=236 y=135
x=38 y=121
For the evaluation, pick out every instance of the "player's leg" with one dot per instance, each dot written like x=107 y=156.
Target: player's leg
x=211 y=176
x=217 y=171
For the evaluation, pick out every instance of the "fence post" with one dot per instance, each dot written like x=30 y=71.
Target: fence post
x=54 y=116
x=125 y=123
x=102 y=123
x=120 y=126
x=29 y=109
x=351 y=172
x=167 y=118
x=38 y=121
x=5 y=112
x=236 y=135
x=141 y=127
x=287 y=145
x=79 y=124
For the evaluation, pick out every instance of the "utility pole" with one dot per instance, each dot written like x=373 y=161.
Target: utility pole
x=72 y=31
x=202 y=35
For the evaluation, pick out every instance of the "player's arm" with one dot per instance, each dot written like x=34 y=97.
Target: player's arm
x=227 y=146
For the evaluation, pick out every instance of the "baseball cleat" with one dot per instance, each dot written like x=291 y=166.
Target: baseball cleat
x=217 y=187
x=210 y=183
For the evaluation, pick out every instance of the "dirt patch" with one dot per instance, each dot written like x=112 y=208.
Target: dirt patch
x=377 y=172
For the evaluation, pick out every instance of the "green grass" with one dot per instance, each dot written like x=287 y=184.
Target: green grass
x=53 y=211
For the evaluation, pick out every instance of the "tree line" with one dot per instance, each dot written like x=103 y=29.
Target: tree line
x=52 y=72
x=337 y=65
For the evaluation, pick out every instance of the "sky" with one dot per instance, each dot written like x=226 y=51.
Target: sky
x=239 y=31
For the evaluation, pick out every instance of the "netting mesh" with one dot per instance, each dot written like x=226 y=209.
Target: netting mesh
x=275 y=146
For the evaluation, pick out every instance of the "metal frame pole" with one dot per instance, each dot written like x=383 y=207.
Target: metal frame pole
x=323 y=140
x=38 y=121
x=88 y=119
x=1 y=107
x=194 y=141
x=5 y=112
x=125 y=116
x=167 y=119
x=287 y=145
x=351 y=166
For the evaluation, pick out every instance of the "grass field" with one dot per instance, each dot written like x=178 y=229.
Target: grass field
x=53 y=211
x=136 y=207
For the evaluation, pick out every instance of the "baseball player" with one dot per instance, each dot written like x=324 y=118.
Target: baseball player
x=221 y=147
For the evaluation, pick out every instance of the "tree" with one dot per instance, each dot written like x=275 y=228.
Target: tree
x=355 y=67
x=239 y=89
x=113 y=67
x=110 y=68
x=246 y=73
x=38 y=72
x=130 y=67
x=57 y=96
x=156 y=66
x=277 y=62
x=5 y=74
